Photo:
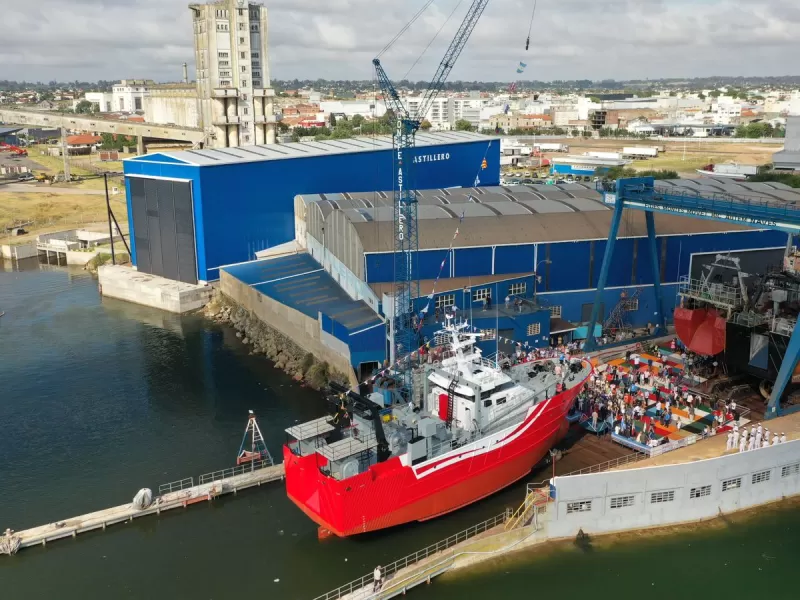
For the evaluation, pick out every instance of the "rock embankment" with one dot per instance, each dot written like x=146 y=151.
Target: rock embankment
x=263 y=339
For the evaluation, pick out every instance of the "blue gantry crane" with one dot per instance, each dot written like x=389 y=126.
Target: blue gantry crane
x=642 y=193
x=403 y=336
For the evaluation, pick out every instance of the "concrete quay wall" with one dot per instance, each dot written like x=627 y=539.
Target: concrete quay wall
x=124 y=283
x=301 y=329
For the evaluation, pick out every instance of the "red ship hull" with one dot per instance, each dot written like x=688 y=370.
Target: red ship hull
x=702 y=330
x=391 y=493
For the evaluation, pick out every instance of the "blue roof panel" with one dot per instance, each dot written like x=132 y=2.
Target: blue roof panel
x=300 y=282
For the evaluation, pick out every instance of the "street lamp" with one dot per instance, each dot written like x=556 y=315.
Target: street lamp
x=537 y=277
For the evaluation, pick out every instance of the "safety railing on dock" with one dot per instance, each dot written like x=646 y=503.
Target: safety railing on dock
x=233 y=471
x=389 y=570
x=175 y=486
x=609 y=464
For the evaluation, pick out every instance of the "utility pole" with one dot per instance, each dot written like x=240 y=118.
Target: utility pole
x=110 y=230
x=65 y=153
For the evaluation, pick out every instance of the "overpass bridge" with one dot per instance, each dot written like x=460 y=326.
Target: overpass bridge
x=762 y=211
x=56 y=120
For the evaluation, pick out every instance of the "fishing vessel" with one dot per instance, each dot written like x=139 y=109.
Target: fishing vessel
x=479 y=426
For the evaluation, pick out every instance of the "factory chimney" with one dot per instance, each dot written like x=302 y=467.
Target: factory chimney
x=185 y=73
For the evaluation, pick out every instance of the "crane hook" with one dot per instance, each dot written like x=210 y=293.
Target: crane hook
x=527 y=42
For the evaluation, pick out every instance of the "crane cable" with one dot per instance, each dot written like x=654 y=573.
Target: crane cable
x=530 y=27
x=460 y=2
x=405 y=28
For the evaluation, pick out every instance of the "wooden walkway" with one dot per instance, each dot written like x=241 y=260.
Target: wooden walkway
x=125 y=513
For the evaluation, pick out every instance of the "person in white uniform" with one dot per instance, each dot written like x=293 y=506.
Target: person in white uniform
x=783 y=438
x=775 y=440
x=729 y=442
x=735 y=437
x=759 y=437
x=742 y=443
x=765 y=443
x=751 y=442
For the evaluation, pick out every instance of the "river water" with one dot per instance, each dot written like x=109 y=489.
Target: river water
x=99 y=398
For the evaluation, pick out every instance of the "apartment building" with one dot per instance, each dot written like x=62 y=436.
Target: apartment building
x=233 y=83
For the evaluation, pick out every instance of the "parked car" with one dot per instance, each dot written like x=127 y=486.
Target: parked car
x=26 y=177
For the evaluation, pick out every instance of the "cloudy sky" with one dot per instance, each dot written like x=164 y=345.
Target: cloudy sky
x=336 y=39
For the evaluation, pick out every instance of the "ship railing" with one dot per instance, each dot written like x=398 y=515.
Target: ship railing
x=175 y=486
x=783 y=326
x=750 y=319
x=608 y=465
x=249 y=467
x=387 y=571
x=712 y=293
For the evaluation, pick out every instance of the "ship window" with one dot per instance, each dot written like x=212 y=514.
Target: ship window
x=700 y=492
x=555 y=311
x=487 y=403
x=500 y=401
x=534 y=329
x=760 y=477
x=622 y=501
x=731 y=484
x=661 y=497
x=516 y=289
x=488 y=334
x=631 y=305
x=577 y=507
x=790 y=470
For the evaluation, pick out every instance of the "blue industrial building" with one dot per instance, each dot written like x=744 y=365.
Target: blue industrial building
x=192 y=212
x=541 y=244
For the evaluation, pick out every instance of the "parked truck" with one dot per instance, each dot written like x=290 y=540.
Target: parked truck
x=606 y=155
x=543 y=147
x=640 y=152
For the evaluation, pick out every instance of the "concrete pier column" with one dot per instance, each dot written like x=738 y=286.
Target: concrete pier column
x=140 y=149
x=233 y=130
x=233 y=136
x=269 y=112
x=259 y=134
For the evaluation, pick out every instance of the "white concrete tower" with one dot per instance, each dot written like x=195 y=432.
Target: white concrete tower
x=233 y=86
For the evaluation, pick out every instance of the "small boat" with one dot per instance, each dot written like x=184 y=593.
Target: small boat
x=2 y=313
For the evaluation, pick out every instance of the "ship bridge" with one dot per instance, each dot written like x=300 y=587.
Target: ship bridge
x=757 y=205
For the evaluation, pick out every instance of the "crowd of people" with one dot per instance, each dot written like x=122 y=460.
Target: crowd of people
x=753 y=438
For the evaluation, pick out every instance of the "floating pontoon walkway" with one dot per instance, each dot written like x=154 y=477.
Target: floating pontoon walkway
x=180 y=495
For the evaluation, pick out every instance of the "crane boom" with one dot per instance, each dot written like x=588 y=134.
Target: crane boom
x=404 y=335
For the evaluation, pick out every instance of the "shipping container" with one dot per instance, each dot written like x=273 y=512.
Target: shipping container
x=640 y=151
x=608 y=155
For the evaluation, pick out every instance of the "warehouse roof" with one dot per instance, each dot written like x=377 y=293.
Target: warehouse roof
x=9 y=130
x=306 y=149
x=301 y=283
x=524 y=214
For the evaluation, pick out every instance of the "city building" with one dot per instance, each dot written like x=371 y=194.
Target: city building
x=233 y=82
x=788 y=159
x=192 y=212
x=444 y=112
x=129 y=94
x=103 y=101
x=173 y=104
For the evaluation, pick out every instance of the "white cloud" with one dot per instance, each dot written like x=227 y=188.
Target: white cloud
x=336 y=39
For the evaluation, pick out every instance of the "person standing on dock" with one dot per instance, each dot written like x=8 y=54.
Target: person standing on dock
x=729 y=443
x=751 y=442
x=735 y=436
x=775 y=440
x=742 y=443
x=783 y=438
x=759 y=437
x=376 y=576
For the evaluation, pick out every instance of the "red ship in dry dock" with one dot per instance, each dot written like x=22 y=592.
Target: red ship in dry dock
x=479 y=429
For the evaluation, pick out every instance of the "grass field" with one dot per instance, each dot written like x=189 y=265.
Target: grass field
x=51 y=212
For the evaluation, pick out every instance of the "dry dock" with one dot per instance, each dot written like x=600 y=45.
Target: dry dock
x=177 y=495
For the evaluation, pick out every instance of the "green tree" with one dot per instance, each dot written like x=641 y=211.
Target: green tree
x=357 y=121
x=425 y=125
x=333 y=120
x=463 y=125
x=84 y=107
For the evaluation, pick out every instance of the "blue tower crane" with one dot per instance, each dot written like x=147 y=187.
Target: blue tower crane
x=406 y=124
x=642 y=193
